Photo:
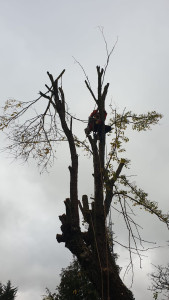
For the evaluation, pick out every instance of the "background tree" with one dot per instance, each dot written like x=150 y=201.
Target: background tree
x=52 y=123
x=74 y=285
x=7 y=292
x=160 y=282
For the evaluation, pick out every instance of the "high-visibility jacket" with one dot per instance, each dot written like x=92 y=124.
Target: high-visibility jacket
x=95 y=118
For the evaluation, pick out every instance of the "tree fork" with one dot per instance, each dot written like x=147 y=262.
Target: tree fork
x=91 y=247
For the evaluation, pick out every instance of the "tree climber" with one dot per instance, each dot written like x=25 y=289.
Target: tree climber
x=95 y=124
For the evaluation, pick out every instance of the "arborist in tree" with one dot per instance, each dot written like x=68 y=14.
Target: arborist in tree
x=95 y=124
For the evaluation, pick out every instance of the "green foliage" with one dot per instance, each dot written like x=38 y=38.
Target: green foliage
x=50 y=296
x=138 y=122
x=155 y=295
x=30 y=137
x=7 y=292
x=9 y=113
x=139 y=198
x=74 y=285
x=124 y=189
x=121 y=122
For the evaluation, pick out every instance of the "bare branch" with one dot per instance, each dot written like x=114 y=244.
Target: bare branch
x=107 y=51
x=89 y=88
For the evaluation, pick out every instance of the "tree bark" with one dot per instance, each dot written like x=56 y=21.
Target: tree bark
x=92 y=247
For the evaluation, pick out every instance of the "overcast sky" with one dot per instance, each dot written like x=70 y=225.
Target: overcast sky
x=39 y=36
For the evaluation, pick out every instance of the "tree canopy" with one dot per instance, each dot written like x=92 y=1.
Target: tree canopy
x=160 y=282
x=74 y=285
x=7 y=292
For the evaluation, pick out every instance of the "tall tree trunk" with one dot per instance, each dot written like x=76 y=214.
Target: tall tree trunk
x=92 y=247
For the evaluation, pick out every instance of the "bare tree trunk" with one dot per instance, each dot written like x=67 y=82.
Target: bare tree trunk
x=91 y=248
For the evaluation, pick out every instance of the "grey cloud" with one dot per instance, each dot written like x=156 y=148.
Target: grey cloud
x=37 y=36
